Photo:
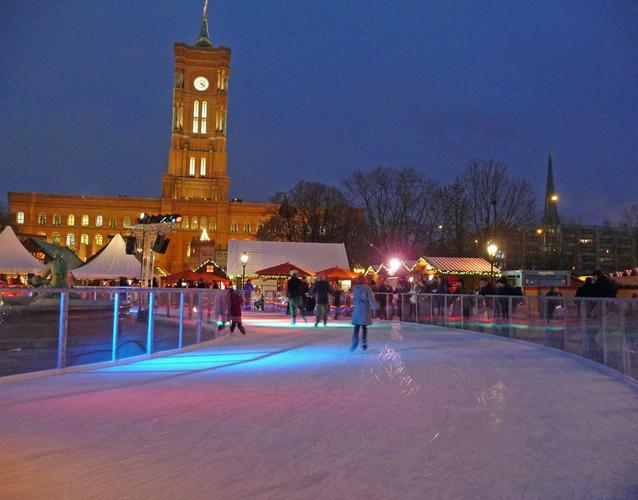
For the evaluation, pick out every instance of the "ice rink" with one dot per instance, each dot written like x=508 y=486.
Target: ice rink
x=287 y=412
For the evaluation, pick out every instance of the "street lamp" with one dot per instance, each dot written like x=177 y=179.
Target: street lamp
x=492 y=249
x=244 y=260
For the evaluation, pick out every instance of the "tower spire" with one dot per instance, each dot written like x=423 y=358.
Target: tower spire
x=204 y=37
x=550 y=214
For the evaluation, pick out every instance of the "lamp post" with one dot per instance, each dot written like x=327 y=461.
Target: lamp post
x=492 y=250
x=244 y=260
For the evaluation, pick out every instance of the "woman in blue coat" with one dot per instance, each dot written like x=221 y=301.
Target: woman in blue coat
x=364 y=304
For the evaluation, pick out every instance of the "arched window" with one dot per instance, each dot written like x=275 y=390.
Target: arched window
x=194 y=223
x=42 y=219
x=99 y=221
x=98 y=240
x=202 y=167
x=55 y=238
x=70 y=220
x=222 y=79
x=185 y=222
x=112 y=221
x=233 y=227
x=204 y=113
x=126 y=222
x=20 y=217
x=191 y=166
x=204 y=222
x=188 y=249
x=84 y=239
x=196 y=117
x=85 y=220
x=70 y=240
x=212 y=225
x=57 y=219
x=246 y=227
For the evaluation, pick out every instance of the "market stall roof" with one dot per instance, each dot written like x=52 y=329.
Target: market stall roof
x=14 y=258
x=263 y=254
x=112 y=263
x=336 y=273
x=283 y=270
x=188 y=275
x=459 y=265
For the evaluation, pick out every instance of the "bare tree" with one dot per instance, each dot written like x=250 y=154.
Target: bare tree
x=497 y=202
x=401 y=208
x=4 y=216
x=314 y=212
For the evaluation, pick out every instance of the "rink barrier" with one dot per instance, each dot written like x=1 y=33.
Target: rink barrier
x=54 y=329
x=44 y=329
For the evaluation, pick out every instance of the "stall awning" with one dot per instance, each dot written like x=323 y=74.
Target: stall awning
x=459 y=265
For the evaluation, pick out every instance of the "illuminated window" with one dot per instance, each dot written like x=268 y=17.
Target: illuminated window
x=212 y=225
x=85 y=220
x=112 y=221
x=70 y=240
x=204 y=113
x=191 y=167
x=188 y=249
x=57 y=219
x=20 y=217
x=246 y=227
x=55 y=238
x=99 y=221
x=204 y=222
x=126 y=222
x=70 y=220
x=42 y=219
x=185 y=222
x=233 y=227
x=84 y=239
x=98 y=240
x=196 y=117
x=220 y=120
x=260 y=227
x=194 y=223
x=202 y=167
x=222 y=79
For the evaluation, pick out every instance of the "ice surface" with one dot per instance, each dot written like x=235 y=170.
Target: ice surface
x=290 y=413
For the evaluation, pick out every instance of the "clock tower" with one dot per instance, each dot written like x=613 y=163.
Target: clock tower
x=197 y=158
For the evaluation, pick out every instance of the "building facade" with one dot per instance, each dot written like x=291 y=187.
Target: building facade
x=195 y=184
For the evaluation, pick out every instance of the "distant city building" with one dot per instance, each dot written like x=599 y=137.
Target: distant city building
x=195 y=184
x=574 y=247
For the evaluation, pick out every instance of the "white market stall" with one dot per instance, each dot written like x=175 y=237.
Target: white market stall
x=112 y=263
x=14 y=258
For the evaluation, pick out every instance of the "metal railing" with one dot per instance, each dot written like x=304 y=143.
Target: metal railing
x=54 y=328
x=603 y=330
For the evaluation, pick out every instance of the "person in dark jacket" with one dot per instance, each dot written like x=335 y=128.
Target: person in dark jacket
x=295 y=292
x=321 y=290
x=236 y=300
x=382 y=294
x=604 y=286
x=504 y=288
x=552 y=304
x=336 y=299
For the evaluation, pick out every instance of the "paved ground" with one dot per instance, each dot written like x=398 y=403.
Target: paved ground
x=426 y=412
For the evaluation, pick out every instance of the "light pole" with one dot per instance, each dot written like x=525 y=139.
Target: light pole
x=244 y=260
x=492 y=250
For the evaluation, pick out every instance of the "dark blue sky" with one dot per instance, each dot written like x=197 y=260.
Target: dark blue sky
x=321 y=88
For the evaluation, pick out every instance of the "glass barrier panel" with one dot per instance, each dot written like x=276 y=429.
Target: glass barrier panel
x=29 y=321
x=132 y=323
x=89 y=326
x=165 y=320
x=630 y=327
x=612 y=334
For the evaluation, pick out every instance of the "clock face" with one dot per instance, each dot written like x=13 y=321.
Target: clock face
x=201 y=83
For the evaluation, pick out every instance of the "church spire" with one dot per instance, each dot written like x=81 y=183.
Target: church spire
x=204 y=37
x=550 y=214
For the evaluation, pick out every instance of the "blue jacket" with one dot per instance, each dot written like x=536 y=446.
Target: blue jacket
x=363 y=304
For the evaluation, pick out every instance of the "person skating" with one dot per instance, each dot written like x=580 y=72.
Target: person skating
x=364 y=304
x=236 y=300
x=321 y=290
x=295 y=292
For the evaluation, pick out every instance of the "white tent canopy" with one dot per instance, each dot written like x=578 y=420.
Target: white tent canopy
x=14 y=258
x=112 y=263
x=262 y=254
